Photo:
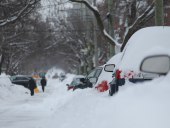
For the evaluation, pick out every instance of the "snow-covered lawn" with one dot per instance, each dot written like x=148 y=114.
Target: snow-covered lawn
x=145 y=105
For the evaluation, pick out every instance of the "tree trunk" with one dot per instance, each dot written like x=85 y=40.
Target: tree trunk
x=1 y=62
x=159 y=13
x=111 y=26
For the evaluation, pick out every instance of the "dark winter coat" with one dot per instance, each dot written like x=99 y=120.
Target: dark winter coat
x=43 y=82
x=32 y=84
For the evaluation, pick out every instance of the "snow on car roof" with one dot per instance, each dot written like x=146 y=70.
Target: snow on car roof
x=114 y=59
x=145 y=42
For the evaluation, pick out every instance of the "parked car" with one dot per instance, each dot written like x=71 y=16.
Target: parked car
x=62 y=76
x=105 y=77
x=93 y=77
x=102 y=75
x=55 y=76
x=84 y=83
x=144 y=42
x=75 y=82
x=90 y=79
x=20 y=80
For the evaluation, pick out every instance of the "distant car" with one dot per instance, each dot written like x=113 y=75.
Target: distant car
x=145 y=42
x=75 y=82
x=21 y=80
x=55 y=76
x=62 y=76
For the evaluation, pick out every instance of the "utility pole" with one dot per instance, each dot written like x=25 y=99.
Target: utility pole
x=159 y=13
x=111 y=25
x=95 y=39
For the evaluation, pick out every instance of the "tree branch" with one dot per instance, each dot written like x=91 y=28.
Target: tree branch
x=143 y=18
x=96 y=13
x=21 y=13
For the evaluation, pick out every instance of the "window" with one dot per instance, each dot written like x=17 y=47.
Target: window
x=92 y=73
x=98 y=71
x=95 y=73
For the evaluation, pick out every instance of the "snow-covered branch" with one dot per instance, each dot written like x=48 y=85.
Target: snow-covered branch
x=141 y=20
x=99 y=21
x=22 y=12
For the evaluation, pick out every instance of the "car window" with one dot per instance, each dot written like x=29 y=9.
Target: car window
x=24 y=78
x=92 y=73
x=13 y=78
x=75 y=82
x=98 y=71
x=17 y=78
x=21 y=78
x=95 y=73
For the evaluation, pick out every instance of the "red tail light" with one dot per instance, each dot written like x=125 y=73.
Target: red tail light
x=118 y=74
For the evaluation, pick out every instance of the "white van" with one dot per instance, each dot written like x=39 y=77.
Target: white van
x=145 y=42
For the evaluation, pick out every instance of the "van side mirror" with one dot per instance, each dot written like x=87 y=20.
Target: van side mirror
x=109 y=67
x=158 y=64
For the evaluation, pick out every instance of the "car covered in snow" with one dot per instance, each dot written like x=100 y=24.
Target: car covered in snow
x=75 y=82
x=21 y=80
x=97 y=76
x=62 y=76
x=145 y=42
x=102 y=75
x=105 y=77
x=87 y=82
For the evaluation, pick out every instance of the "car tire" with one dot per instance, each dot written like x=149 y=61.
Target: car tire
x=116 y=88
x=111 y=90
x=110 y=94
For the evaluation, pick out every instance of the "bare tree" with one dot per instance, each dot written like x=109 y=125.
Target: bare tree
x=11 y=11
x=143 y=18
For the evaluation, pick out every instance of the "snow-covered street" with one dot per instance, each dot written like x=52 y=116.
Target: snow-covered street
x=30 y=111
x=134 y=106
x=84 y=64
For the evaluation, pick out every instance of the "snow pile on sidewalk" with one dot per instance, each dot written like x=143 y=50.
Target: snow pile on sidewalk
x=144 y=105
x=9 y=91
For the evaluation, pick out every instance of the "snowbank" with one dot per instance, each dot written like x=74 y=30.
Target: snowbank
x=9 y=91
x=144 y=105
